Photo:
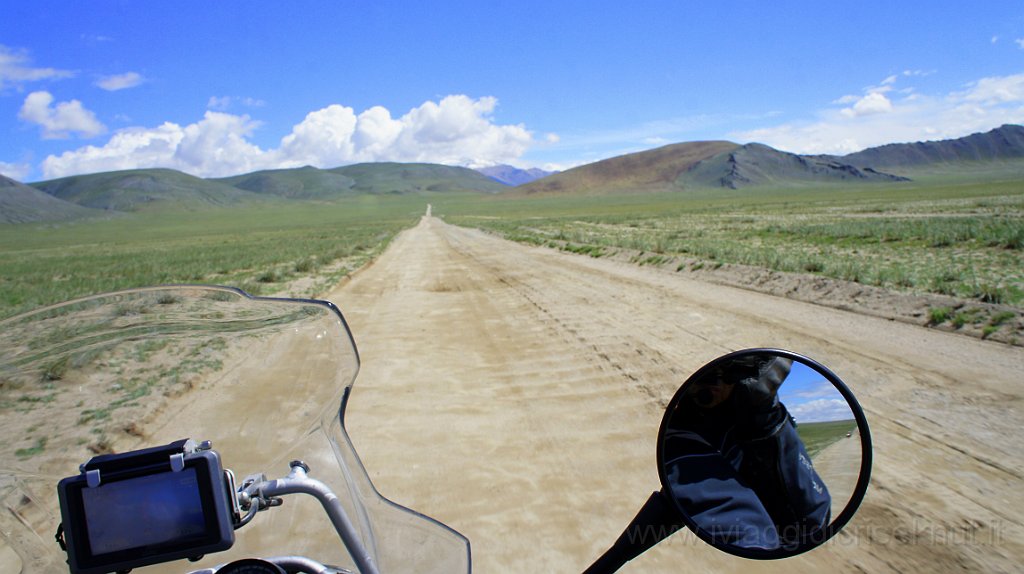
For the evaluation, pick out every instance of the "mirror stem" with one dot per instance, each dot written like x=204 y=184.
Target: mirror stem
x=656 y=520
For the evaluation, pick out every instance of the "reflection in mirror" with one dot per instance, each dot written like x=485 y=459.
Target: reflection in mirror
x=761 y=451
x=826 y=426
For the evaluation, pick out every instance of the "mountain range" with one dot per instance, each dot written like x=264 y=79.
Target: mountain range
x=1003 y=143
x=510 y=175
x=676 y=167
x=722 y=164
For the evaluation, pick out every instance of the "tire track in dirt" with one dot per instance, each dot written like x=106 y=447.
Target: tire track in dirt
x=515 y=393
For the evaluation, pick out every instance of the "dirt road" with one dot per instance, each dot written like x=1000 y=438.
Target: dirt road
x=515 y=393
x=840 y=463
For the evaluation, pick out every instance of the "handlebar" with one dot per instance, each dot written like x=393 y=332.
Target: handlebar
x=257 y=494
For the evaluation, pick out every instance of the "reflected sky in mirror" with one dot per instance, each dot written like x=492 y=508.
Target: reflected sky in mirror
x=811 y=398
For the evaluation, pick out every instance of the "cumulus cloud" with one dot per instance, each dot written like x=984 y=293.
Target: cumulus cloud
x=16 y=69
x=907 y=115
x=62 y=120
x=16 y=171
x=120 y=81
x=324 y=137
x=127 y=149
x=458 y=130
x=207 y=147
x=873 y=103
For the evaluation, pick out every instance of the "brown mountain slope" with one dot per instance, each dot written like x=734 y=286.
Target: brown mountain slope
x=652 y=170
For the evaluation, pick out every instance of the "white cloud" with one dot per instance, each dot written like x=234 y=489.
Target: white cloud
x=873 y=103
x=980 y=106
x=376 y=132
x=218 y=140
x=120 y=81
x=995 y=39
x=220 y=104
x=16 y=69
x=127 y=149
x=62 y=120
x=995 y=91
x=323 y=138
x=655 y=141
x=457 y=130
x=224 y=103
x=1020 y=42
x=213 y=146
x=17 y=171
x=821 y=410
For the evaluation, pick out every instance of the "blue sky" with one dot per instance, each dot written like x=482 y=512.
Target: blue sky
x=219 y=88
x=811 y=398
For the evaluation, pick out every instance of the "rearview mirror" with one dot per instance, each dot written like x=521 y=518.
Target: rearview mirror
x=764 y=453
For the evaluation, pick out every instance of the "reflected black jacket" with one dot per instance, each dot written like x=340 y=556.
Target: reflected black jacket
x=750 y=491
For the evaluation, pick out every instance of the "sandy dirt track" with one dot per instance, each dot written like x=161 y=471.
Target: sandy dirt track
x=515 y=393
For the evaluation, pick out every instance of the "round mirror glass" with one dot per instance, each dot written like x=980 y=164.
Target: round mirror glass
x=765 y=453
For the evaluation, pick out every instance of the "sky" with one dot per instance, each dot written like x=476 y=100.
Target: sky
x=221 y=88
x=811 y=398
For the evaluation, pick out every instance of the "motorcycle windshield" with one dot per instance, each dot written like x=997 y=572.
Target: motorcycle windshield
x=265 y=380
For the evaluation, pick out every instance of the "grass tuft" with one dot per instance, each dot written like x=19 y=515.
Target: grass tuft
x=33 y=450
x=939 y=315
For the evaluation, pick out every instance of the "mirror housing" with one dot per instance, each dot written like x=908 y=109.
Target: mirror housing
x=739 y=451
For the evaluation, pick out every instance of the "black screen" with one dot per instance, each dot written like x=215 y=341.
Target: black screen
x=143 y=511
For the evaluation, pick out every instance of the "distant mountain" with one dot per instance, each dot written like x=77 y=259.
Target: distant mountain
x=513 y=175
x=20 y=203
x=402 y=178
x=144 y=189
x=712 y=164
x=758 y=164
x=1003 y=143
x=301 y=183
x=653 y=170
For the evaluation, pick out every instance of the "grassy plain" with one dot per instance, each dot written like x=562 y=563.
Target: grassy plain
x=257 y=248
x=959 y=234
x=818 y=436
x=961 y=238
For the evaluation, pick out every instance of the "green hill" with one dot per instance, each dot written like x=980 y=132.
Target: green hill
x=364 y=178
x=143 y=190
x=300 y=183
x=402 y=178
x=20 y=203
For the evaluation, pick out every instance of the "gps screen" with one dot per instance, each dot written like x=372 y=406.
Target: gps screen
x=144 y=511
